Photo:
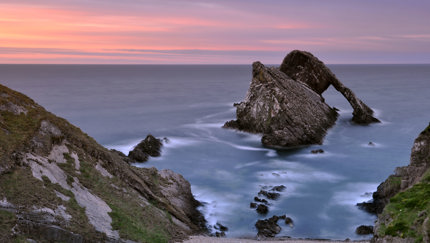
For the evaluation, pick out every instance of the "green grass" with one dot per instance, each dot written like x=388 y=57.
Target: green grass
x=133 y=221
x=408 y=210
x=134 y=228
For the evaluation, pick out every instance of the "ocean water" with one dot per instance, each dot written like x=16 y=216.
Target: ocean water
x=120 y=104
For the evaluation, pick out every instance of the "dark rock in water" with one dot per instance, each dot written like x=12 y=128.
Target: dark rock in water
x=371 y=144
x=268 y=227
x=364 y=230
x=150 y=146
x=220 y=234
x=371 y=207
x=269 y=195
x=262 y=209
x=304 y=67
x=220 y=227
x=317 y=151
x=289 y=221
x=286 y=106
x=287 y=112
x=138 y=155
x=253 y=205
x=278 y=188
x=257 y=199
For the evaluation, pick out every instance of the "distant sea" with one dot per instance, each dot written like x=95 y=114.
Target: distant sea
x=119 y=105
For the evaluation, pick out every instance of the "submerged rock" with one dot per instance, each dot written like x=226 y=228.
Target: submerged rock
x=269 y=195
x=280 y=188
x=317 y=151
x=257 y=199
x=286 y=105
x=150 y=146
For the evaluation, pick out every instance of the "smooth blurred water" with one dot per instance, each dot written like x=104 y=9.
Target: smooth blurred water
x=120 y=104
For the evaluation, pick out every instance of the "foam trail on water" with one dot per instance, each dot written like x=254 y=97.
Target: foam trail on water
x=354 y=193
x=217 y=207
x=124 y=147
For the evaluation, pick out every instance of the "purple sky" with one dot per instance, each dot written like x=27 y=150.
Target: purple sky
x=219 y=32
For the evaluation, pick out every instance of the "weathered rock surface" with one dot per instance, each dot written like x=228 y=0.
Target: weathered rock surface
x=269 y=227
x=262 y=209
x=150 y=146
x=304 y=67
x=59 y=185
x=286 y=105
x=403 y=195
x=287 y=112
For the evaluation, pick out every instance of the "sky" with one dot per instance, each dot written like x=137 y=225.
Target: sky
x=213 y=32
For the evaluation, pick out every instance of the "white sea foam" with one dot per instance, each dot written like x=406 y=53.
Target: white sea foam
x=240 y=166
x=124 y=147
x=216 y=206
x=295 y=172
x=204 y=125
x=354 y=193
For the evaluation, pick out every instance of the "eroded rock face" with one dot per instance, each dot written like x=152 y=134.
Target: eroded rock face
x=285 y=111
x=286 y=106
x=304 y=67
x=71 y=189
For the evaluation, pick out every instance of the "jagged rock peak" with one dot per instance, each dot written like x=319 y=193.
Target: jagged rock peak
x=304 y=67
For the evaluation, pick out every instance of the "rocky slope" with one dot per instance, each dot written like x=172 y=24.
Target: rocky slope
x=286 y=106
x=58 y=185
x=402 y=202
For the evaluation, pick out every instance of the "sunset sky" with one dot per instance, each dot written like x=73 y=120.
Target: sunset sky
x=213 y=32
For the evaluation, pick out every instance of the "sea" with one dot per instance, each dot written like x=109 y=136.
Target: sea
x=119 y=105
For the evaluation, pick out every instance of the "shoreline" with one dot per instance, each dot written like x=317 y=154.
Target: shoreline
x=208 y=239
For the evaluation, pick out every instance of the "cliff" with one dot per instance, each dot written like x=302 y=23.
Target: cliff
x=57 y=184
x=286 y=106
x=402 y=202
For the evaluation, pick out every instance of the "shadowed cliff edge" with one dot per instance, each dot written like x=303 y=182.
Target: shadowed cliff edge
x=57 y=184
x=286 y=106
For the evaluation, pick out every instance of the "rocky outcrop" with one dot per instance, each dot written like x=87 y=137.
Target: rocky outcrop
x=286 y=106
x=149 y=147
x=402 y=201
x=287 y=112
x=59 y=185
x=304 y=67
x=269 y=227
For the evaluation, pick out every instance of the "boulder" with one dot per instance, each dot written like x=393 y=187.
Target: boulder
x=268 y=227
x=257 y=199
x=262 y=209
x=150 y=146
